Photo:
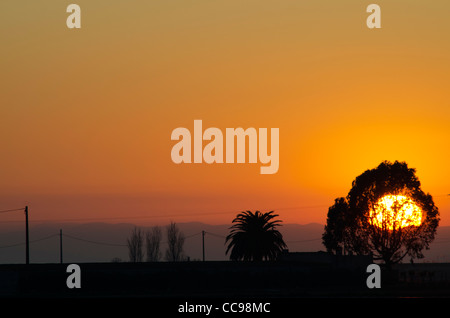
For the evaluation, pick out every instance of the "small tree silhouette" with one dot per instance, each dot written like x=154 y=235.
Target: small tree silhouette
x=152 y=242
x=175 y=241
x=135 y=245
x=254 y=237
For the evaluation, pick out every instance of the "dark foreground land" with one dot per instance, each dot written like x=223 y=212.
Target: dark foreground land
x=288 y=278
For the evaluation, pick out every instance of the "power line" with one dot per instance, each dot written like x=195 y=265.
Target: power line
x=83 y=240
x=27 y=240
x=170 y=215
x=13 y=245
x=12 y=210
x=300 y=241
x=159 y=215
x=186 y=237
x=34 y=241
x=93 y=242
x=214 y=234
x=112 y=244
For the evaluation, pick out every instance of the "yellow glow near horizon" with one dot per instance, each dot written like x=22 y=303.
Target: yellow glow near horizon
x=395 y=211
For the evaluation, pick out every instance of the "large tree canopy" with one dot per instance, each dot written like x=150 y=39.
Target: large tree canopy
x=381 y=215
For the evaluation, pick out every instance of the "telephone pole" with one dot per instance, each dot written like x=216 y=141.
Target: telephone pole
x=60 y=247
x=203 y=244
x=27 y=239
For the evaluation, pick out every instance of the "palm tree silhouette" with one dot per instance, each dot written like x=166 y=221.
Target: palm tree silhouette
x=254 y=237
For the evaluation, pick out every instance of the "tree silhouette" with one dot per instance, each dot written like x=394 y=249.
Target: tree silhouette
x=254 y=237
x=175 y=241
x=135 y=245
x=152 y=242
x=334 y=236
x=386 y=231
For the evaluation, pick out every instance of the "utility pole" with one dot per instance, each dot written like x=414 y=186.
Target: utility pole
x=27 y=239
x=203 y=244
x=60 y=247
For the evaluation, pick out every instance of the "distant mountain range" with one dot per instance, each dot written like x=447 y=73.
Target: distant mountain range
x=105 y=242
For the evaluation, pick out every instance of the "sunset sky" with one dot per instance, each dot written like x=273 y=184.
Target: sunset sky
x=86 y=115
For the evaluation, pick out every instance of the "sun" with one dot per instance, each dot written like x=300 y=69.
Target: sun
x=394 y=212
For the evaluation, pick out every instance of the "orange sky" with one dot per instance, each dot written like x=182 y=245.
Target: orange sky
x=86 y=115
